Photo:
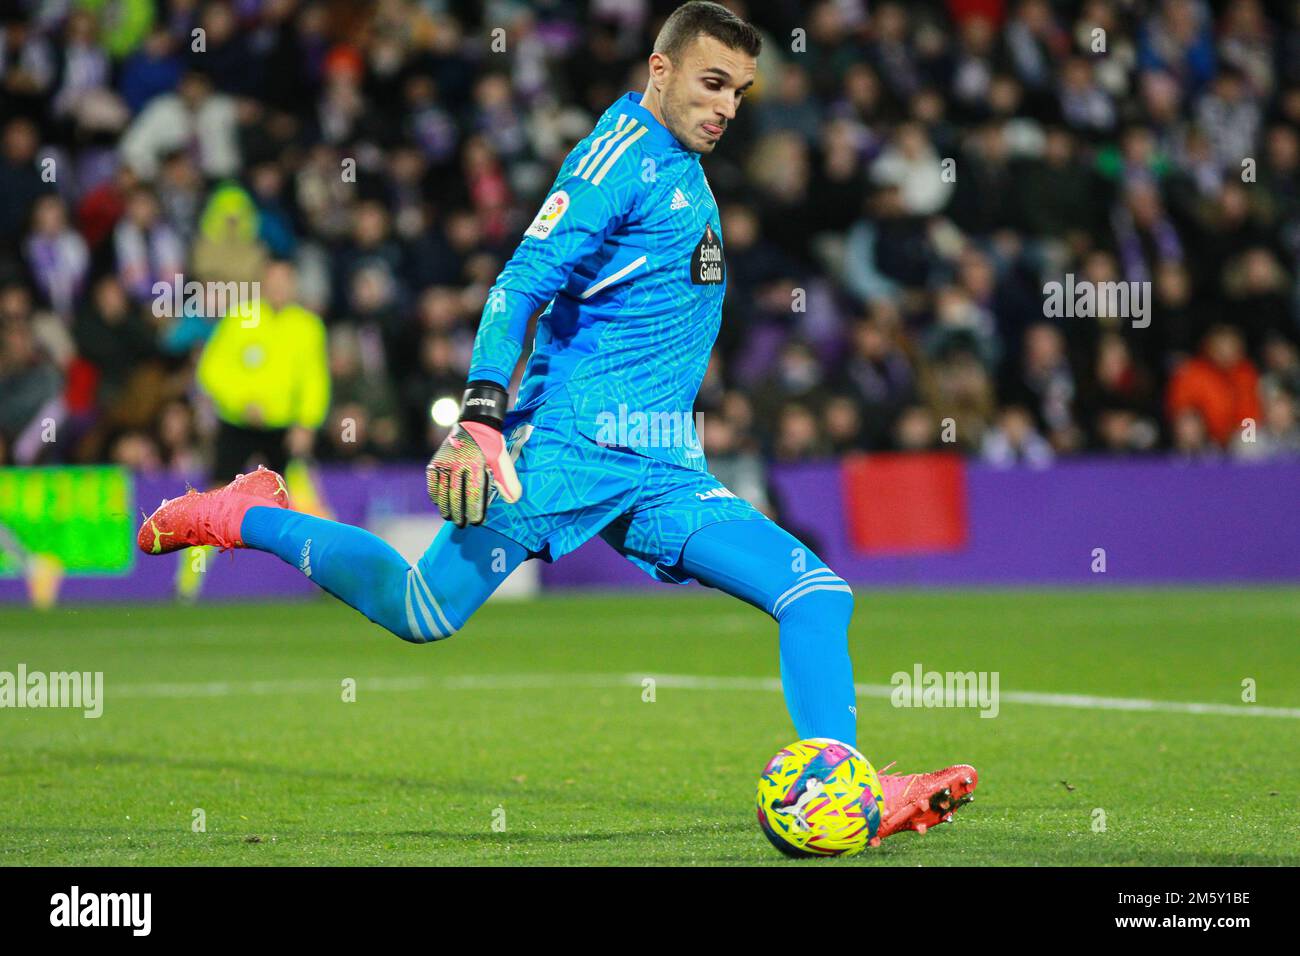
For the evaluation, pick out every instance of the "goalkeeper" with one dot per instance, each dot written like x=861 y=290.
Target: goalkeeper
x=626 y=254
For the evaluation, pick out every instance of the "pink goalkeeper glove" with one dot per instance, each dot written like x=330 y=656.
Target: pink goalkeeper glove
x=472 y=459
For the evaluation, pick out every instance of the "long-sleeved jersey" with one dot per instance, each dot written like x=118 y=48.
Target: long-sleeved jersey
x=627 y=250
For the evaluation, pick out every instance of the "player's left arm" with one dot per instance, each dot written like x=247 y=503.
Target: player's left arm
x=583 y=209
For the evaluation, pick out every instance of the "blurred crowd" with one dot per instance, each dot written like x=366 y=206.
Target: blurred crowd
x=896 y=193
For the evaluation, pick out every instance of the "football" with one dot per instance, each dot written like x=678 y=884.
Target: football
x=819 y=797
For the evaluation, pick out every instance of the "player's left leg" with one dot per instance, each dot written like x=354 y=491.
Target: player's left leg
x=424 y=602
x=420 y=603
x=766 y=566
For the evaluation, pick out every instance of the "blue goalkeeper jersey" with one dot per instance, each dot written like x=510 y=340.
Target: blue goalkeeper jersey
x=627 y=251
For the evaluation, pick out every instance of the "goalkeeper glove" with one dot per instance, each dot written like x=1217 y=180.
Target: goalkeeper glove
x=473 y=458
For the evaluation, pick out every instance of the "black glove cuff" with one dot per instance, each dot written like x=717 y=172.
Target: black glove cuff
x=484 y=402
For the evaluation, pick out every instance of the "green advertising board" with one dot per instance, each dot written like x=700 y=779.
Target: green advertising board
x=79 y=515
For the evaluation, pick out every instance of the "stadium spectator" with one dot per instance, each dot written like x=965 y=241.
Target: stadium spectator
x=958 y=390
x=195 y=118
x=910 y=163
x=1179 y=319
x=228 y=247
x=1045 y=384
x=798 y=436
x=986 y=180
x=1085 y=106
x=114 y=337
x=1144 y=233
x=843 y=424
x=364 y=420
x=147 y=249
x=1178 y=37
x=30 y=384
x=916 y=430
x=1120 y=384
x=181 y=193
x=56 y=255
x=23 y=182
x=791 y=108
x=878 y=375
x=266 y=371
x=1256 y=290
x=1191 y=442
x=1281 y=370
x=152 y=70
x=1013 y=440
x=1277 y=435
x=177 y=438
x=85 y=67
x=1221 y=385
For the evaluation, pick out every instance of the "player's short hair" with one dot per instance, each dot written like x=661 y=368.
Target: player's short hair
x=699 y=17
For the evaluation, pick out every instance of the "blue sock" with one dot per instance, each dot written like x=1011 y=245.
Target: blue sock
x=762 y=564
x=816 y=672
x=427 y=602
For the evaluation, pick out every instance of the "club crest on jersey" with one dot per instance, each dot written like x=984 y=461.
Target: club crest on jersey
x=706 y=262
x=552 y=211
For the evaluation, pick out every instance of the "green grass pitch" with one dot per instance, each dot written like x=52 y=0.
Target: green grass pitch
x=528 y=738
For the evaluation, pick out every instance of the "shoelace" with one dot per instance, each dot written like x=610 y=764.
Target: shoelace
x=205 y=524
x=222 y=542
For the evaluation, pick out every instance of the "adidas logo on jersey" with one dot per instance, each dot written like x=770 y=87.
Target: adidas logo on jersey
x=679 y=200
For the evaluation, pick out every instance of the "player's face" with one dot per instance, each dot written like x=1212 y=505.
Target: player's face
x=700 y=95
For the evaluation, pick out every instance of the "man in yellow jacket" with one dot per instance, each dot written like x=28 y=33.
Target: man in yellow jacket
x=266 y=369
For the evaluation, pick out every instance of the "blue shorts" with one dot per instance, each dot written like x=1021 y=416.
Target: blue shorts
x=576 y=488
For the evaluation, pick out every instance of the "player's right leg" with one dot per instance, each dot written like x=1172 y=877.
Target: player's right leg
x=762 y=564
x=425 y=602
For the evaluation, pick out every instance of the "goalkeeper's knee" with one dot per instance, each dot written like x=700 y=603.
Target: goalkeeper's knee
x=425 y=617
x=819 y=595
x=409 y=608
x=436 y=596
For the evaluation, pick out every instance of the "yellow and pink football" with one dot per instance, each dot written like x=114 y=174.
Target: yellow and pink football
x=820 y=797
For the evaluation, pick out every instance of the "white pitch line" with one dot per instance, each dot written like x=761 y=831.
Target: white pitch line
x=672 y=681
x=257 y=688
x=1083 y=701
